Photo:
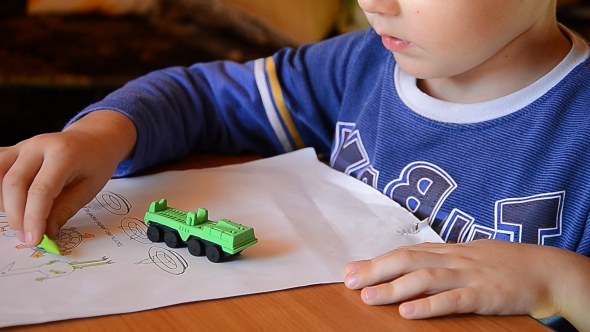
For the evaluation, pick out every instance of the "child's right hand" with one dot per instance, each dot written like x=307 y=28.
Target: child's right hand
x=487 y=277
x=46 y=179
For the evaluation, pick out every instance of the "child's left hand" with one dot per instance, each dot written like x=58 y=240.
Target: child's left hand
x=485 y=277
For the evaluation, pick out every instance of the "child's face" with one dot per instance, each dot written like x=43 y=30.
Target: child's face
x=446 y=38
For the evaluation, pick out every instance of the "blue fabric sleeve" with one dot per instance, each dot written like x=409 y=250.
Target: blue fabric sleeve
x=313 y=80
x=217 y=106
x=179 y=109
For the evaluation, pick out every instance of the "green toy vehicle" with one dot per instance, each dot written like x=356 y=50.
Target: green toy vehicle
x=215 y=239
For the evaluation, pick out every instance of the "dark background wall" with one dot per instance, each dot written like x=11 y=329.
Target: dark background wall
x=53 y=66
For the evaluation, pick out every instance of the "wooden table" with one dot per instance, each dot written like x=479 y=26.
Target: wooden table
x=330 y=307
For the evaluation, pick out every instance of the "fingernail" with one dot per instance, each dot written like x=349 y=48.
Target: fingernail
x=20 y=235
x=350 y=280
x=29 y=238
x=352 y=267
x=407 y=309
x=370 y=293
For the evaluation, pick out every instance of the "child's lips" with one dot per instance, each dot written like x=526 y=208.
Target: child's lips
x=395 y=44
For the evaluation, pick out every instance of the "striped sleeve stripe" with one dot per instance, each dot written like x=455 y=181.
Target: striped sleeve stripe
x=274 y=104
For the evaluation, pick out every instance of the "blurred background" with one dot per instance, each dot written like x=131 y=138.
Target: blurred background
x=58 y=56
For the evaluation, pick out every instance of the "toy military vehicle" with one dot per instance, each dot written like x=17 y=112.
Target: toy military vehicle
x=217 y=240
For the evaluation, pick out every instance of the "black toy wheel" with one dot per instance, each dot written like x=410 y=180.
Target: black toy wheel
x=214 y=254
x=154 y=233
x=196 y=247
x=172 y=239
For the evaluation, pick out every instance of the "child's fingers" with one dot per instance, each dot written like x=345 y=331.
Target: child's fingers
x=455 y=301
x=7 y=158
x=15 y=185
x=423 y=281
x=391 y=266
x=67 y=204
x=46 y=186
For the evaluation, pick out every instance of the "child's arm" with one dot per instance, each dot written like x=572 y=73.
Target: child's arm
x=219 y=106
x=265 y=106
x=485 y=277
x=45 y=180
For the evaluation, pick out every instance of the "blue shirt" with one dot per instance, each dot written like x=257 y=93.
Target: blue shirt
x=513 y=169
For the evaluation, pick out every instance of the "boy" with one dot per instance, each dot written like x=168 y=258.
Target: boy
x=473 y=114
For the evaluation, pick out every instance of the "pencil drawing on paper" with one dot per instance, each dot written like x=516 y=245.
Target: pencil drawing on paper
x=135 y=229
x=114 y=203
x=70 y=238
x=67 y=239
x=4 y=227
x=167 y=260
x=53 y=269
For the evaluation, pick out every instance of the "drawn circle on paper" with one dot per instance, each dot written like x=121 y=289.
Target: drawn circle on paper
x=135 y=229
x=114 y=203
x=168 y=260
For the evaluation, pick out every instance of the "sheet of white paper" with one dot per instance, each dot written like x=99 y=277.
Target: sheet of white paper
x=310 y=221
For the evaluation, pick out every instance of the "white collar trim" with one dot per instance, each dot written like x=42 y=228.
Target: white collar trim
x=443 y=111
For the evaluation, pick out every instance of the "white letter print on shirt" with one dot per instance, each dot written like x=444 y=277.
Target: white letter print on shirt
x=423 y=187
x=349 y=155
x=546 y=210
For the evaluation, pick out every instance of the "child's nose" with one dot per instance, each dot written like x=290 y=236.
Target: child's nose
x=383 y=7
